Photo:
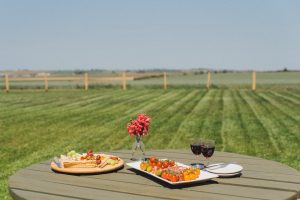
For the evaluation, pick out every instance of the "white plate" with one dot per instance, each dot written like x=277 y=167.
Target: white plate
x=224 y=168
x=229 y=175
x=204 y=176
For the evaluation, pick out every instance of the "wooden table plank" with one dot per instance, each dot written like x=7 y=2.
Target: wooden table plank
x=152 y=187
x=242 y=181
x=140 y=179
x=70 y=191
x=33 y=195
x=257 y=181
x=89 y=189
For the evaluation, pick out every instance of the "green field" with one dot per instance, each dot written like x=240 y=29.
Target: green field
x=35 y=126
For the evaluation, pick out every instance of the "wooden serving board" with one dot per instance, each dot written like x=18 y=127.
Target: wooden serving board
x=105 y=169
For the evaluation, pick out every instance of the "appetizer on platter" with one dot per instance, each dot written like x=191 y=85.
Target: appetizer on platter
x=169 y=170
x=87 y=160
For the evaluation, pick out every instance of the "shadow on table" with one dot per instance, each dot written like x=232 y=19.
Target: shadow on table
x=165 y=184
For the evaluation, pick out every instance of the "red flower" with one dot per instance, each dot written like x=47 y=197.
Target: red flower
x=139 y=126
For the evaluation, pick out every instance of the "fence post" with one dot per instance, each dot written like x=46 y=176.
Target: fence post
x=46 y=83
x=86 y=81
x=165 y=80
x=6 y=83
x=208 y=80
x=124 y=81
x=254 y=80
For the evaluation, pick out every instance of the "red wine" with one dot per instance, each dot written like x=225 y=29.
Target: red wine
x=196 y=149
x=207 y=151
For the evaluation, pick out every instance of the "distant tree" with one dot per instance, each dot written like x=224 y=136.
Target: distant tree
x=78 y=72
x=224 y=71
x=285 y=69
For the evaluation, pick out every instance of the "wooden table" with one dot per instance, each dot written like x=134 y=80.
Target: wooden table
x=261 y=179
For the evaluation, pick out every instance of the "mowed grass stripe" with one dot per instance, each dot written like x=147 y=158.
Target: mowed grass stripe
x=104 y=111
x=287 y=97
x=179 y=136
x=276 y=129
x=284 y=120
x=225 y=118
x=117 y=118
x=43 y=111
x=252 y=104
x=120 y=126
x=185 y=129
x=42 y=135
x=289 y=112
x=192 y=125
x=55 y=101
x=241 y=115
x=36 y=99
x=169 y=112
x=167 y=127
x=67 y=120
x=224 y=141
x=154 y=108
x=76 y=110
x=204 y=112
x=292 y=108
x=232 y=127
x=52 y=115
x=110 y=115
x=212 y=120
x=293 y=93
x=165 y=95
x=123 y=106
x=259 y=141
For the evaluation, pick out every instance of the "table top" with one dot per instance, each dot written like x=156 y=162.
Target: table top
x=261 y=179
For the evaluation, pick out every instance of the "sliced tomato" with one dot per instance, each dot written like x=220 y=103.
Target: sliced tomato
x=163 y=175
x=165 y=164
x=171 y=163
x=173 y=178
x=153 y=164
x=152 y=159
x=159 y=164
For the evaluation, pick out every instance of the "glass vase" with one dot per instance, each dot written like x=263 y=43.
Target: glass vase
x=138 y=149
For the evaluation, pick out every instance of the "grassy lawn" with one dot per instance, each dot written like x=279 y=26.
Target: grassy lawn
x=35 y=126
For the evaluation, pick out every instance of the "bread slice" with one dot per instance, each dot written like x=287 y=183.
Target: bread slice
x=80 y=164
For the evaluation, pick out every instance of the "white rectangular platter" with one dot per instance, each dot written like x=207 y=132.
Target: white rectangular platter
x=204 y=175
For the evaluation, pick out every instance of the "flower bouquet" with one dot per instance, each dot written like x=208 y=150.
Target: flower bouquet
x=138 y=127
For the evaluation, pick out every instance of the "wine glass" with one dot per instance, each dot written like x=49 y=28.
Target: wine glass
x=208 y=149
x=196 y=147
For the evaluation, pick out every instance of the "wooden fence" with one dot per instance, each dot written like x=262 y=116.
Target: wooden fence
x=86 y=79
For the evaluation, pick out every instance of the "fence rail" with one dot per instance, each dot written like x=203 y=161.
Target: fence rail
x=86 y=80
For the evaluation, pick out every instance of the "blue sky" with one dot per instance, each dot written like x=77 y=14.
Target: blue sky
x=139 y=34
